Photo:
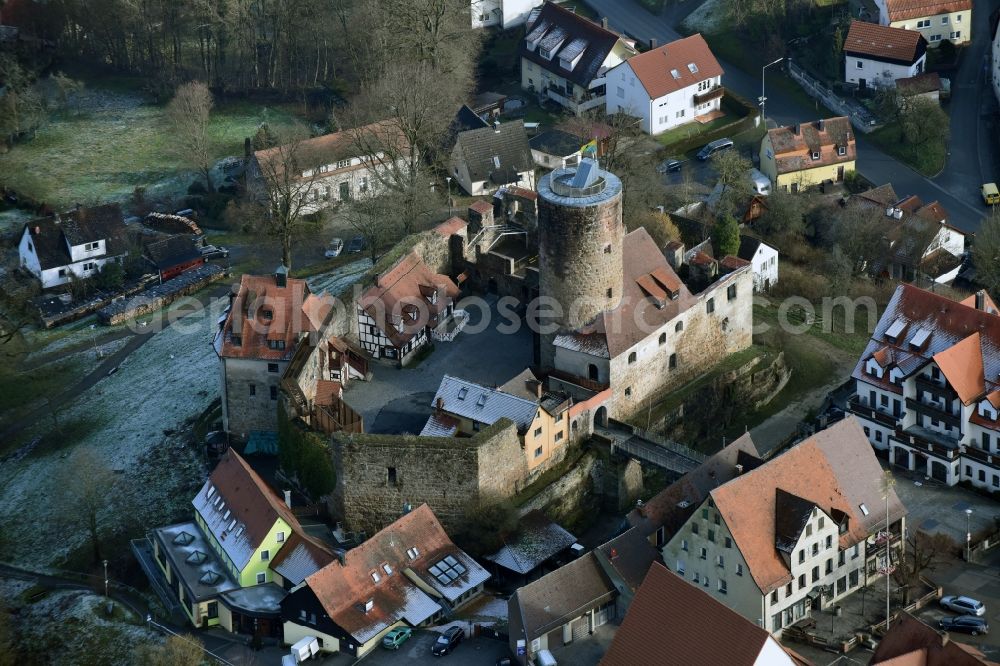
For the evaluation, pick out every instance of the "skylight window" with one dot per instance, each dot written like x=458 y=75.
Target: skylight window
x=462 y=392
x=481 y=401
x=211 y=491
x=447 y=570
x=864 y=509
x=412 y=553
x=674 y=73
x=693 y=68
x=896 y=329
x=387 y=569
x=376 y=577
x=496 y=161
x=919 y=338
x=209 y=578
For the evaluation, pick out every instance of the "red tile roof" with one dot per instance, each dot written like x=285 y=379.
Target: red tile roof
x=989 y=305
x=247 y=495
x=919 y=84
x=885 y=43
x=911 y=642
x=842 y=469
x=793 y=150
x=962 y=366
x=293 y=311
x=330 y=148
x=903 y=10
x=403 y=294
x=666 y=624
x=343 y=589
x=655 y=68
x=451 y=226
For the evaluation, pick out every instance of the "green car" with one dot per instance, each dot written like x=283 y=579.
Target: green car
x=396 y=637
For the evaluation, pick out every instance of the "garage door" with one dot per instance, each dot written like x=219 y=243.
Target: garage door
x=580 y=628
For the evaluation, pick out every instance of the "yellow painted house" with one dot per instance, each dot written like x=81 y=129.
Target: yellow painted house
x=800 y=156
x=463 y=408
x=936 y=20
x=225 y=566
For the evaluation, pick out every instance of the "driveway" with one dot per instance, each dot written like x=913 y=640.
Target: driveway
x=627 y=16
x=399 y=399
x=417 y=652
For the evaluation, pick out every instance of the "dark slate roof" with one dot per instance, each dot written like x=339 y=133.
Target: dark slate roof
x=556 y=142
x=172 y=251
x=507 y=142
x=553 y=20
x=86 y=225
x=50 y=246
x=748 y=247
x=791 y=513
x=537 y=539
x=467 y=119
x=486 y=100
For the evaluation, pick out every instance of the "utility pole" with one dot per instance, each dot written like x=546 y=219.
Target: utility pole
x=763 y=96
x=968 y=535
x=887 y=484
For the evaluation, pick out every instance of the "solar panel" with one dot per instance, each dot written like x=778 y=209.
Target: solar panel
x=435 y=569
x=450 y=561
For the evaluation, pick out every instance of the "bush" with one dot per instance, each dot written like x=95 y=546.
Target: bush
x=304 y=455
x=111 y=277
x=197 y=187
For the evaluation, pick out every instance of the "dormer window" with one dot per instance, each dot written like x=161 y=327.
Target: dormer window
x=841 y=150
x=276 y=344
x=815 y=155
x=375 y=576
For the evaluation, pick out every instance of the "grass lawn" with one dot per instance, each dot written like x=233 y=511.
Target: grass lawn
x=928 y=159
x=116 y=143
x=688 y=130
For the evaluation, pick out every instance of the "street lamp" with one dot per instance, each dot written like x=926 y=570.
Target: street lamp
x=763 y=97
x=448 y=178
x=105 y=580
x=968 y=535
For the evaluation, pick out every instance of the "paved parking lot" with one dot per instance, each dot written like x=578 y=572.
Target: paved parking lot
x=936 y=508
x=417 y=651
x=399 y=400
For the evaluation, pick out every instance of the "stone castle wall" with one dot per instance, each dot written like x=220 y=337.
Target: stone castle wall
x=378 y=474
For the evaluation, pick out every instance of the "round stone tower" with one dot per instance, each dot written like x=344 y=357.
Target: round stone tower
x=580 y=236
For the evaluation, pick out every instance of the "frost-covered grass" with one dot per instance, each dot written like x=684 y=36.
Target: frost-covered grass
x=710 y=18
x=70 y=627
x=115 y=142
x=143 y=413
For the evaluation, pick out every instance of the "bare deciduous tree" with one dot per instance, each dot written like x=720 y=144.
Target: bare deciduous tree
x=923 y=553
x=375 y=219
x=188 y=113
x=174 y=651
x=733 y=171
x=279 y=190
x=85 y=485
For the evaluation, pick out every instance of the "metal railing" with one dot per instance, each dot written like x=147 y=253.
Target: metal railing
x=860 y=117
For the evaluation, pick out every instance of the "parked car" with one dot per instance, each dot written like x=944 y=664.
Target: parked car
x=356 y=245
x=447 y=641
x=396 y=637
x=714 y=147
x=667 y=166
x=334 y=249
x=968 y=624
x=962 y=604
x=991 y=195
x=213 y=252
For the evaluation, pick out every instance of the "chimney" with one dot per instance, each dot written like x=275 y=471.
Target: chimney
x=821 y=123
x=281 y=276
x=739 y=469
x=797 y=129
x=604 y=22
x=980 y=300
x=288 y=498
x=496 y=126
x=652 y=43
x=37 y=230
x=439 y=405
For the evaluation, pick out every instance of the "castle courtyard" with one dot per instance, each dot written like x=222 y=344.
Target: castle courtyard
x=399 y=400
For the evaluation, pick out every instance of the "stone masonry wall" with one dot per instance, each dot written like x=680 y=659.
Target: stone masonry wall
x=449 y=474
x=706 y=339
x=245 y=412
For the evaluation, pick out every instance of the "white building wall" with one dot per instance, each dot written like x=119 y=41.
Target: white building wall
x=486 y=13
x=765 y=267
x=877 y=73
x=955 y=26
x=772 y=654
x=626 y=94
x=81 y=252
x=995 y=60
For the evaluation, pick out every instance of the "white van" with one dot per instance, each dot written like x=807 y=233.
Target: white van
x=761 y=184
x=545 y=658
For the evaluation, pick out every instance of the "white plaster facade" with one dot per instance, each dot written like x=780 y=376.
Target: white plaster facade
x=995 y=63
x=937 y=27
x=626 y=94
x=765 y=267
x=504 y=14
x=878 y=73
x=86 y=261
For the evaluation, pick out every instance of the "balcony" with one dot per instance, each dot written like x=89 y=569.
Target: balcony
x=714 y=92
x=979 y=455
x=587 y=102
x=856 y=406
x=935 y=389
x=935 y=412
x=926 y=441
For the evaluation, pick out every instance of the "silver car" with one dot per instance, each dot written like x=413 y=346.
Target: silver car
x=962 y=604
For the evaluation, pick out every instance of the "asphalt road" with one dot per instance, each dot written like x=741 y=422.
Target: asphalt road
x=971 y=162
